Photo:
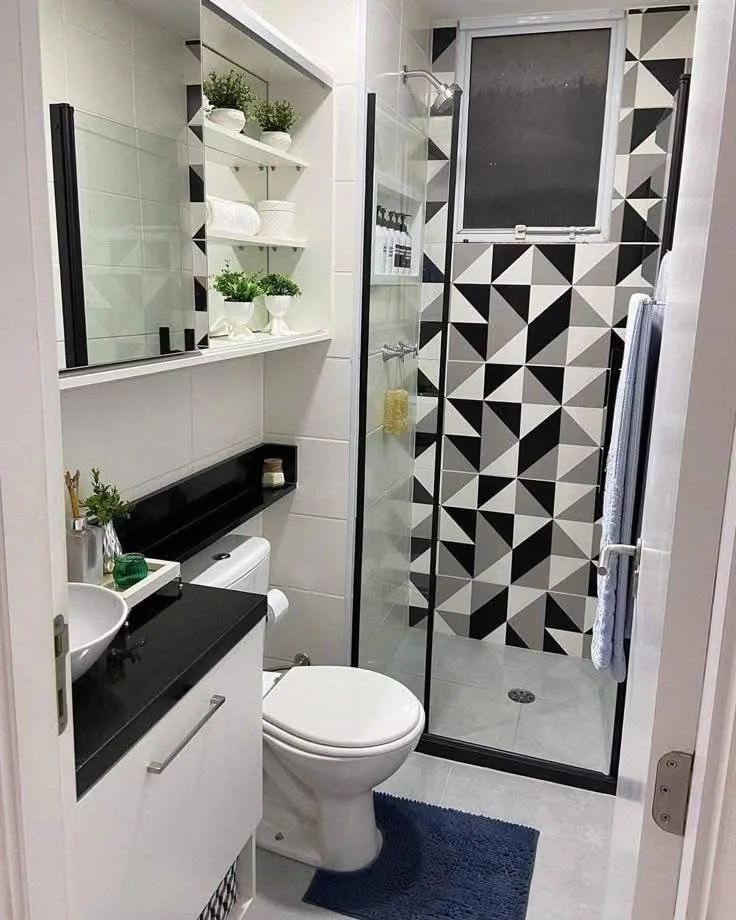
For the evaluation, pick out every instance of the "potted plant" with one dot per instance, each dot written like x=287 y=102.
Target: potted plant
x=279 y=290
x=230 y=99
x=276 y=119
x=103 y=506
x=239 y=290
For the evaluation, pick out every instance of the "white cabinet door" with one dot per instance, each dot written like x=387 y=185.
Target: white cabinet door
x=155 y=846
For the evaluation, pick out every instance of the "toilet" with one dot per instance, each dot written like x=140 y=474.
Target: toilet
x=330 y=735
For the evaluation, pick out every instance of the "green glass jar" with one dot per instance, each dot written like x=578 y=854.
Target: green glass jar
x=129 y=569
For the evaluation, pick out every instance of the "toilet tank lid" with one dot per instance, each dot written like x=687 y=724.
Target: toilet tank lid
x=226 y=561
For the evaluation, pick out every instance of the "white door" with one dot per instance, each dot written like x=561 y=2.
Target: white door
x=36 y=770
x=690 y=455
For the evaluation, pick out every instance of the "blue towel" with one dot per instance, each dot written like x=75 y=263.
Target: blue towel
x=623 y=467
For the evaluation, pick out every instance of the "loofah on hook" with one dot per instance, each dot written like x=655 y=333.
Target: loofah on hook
x=396 y=412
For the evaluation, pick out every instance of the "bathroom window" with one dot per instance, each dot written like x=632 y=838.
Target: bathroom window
x=538 y=128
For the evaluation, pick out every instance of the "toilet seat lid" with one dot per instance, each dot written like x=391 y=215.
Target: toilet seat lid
x=341 y=707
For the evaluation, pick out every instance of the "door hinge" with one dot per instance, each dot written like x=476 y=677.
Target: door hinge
x=61 y=649
x=672 y=791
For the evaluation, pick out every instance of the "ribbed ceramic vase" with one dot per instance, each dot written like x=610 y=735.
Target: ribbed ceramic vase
x=111 y=547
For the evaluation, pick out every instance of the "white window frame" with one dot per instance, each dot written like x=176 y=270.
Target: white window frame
x=548 y=22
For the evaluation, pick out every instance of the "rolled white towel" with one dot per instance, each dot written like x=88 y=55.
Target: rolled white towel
x=232 y=216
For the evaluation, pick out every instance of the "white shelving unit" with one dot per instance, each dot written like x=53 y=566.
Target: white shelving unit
x=234 y=239
x=232 y=149
x=220 y=350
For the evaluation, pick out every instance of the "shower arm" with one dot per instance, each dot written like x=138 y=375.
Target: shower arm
x=435 y=81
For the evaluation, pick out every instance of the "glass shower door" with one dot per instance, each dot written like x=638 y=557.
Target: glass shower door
x=392 y=288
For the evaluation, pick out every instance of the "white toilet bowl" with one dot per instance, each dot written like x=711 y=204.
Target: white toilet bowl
x=330 y=735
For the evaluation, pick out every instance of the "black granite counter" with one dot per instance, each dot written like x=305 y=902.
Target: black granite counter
x=170 y=641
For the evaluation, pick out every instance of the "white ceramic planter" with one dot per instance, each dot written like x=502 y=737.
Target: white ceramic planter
x=278 y=307
x=232 y=119
x=279 y=140
x=239 y=313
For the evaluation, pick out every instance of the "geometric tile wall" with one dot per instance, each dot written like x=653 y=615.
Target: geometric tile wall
x=534 y=337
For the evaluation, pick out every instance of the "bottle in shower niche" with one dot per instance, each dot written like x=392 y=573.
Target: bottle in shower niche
x=405 y=247
x=381 y=241
x=392 y=234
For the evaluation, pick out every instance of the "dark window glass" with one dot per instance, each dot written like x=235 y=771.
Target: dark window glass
x=536 y=109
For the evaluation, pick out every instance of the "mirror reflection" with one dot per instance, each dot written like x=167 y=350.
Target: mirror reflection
x=123 y=178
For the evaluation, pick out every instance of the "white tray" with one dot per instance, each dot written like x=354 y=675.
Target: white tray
x=160 y=573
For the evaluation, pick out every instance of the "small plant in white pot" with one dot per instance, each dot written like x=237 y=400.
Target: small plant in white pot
x=230 y=99
x=276 y=119
x=239 y=290
x=279 y=290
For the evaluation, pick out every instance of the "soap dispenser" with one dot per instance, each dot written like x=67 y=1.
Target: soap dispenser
x=392 y=237
x=405 y=239
x=83 y=553
x=381 y=241
x=83 y=544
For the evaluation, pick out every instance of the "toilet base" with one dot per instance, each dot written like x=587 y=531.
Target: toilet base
x=343 y=838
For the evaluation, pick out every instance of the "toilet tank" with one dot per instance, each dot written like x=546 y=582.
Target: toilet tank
x=235 y=562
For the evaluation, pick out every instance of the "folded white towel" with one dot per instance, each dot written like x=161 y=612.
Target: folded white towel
x=232 y=217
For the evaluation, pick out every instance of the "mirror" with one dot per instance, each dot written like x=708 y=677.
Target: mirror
x=127 y=188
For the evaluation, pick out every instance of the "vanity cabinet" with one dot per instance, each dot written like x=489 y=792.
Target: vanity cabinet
x=155 y=845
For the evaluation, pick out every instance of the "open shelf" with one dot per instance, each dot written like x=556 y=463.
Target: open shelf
x=231 y=149
x=225 y=350
x=234 y=239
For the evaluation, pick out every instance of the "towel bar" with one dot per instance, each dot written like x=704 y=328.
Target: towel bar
x=620 y=549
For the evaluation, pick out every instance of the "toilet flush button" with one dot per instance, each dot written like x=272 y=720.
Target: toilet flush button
x=218 y=557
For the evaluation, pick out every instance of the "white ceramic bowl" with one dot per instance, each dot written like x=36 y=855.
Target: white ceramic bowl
x=95 y=616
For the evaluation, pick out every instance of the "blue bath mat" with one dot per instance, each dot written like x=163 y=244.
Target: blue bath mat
x=435 y=864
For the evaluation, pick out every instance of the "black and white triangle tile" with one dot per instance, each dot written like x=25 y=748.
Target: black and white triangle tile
x=534 y=334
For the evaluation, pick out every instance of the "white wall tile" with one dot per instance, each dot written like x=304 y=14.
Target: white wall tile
x=323 y=486
x=106 y=18
x=344 y=226
x=382 y=51
x=149 y=428
x=100 y=75
x=307 y=394
x=53 y=54
x=227 y=405
x=345 y=315
x=306 y=552
x=348 y=111
x=84 y=431
x=316 y=624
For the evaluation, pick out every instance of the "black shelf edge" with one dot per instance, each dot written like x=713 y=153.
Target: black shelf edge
x=179 y=520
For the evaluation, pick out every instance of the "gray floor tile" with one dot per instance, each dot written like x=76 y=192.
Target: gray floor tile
x=569 y=732
x=571 y=721
x=570 y=870
x=422 y=778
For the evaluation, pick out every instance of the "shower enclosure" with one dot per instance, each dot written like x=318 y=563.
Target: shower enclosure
x=482 y=460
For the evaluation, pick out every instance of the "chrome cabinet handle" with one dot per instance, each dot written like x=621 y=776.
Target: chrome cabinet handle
x=159 y=767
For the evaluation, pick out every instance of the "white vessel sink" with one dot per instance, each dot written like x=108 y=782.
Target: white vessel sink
x=95 y=615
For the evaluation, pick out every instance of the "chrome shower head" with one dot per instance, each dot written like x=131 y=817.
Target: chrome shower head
x=445 y=91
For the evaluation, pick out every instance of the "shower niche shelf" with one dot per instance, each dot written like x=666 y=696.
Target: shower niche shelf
x=393 y=195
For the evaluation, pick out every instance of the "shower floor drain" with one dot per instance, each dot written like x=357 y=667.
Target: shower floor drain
x=521 y=696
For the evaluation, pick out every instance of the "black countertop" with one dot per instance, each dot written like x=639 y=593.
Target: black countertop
x=169 y=642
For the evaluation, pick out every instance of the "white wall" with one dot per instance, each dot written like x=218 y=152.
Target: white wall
x=151 y=431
